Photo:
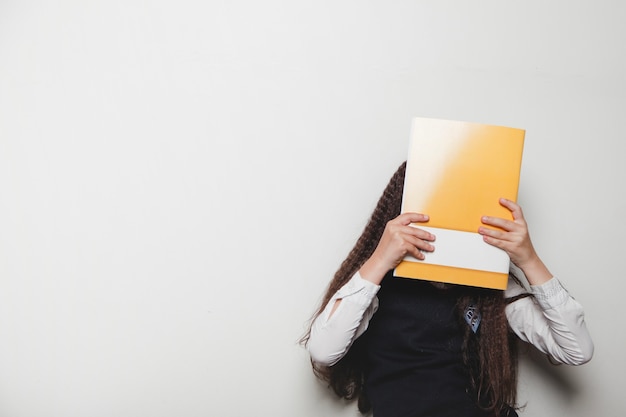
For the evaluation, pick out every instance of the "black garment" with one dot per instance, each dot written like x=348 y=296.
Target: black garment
x=414 y=353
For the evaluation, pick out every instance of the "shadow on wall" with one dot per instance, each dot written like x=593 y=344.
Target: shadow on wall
x=323 y=398
x=559 y=376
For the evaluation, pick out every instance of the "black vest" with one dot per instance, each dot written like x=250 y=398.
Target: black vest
x=414 y=359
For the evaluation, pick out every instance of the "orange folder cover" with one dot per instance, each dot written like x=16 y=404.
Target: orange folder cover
x=456 y=172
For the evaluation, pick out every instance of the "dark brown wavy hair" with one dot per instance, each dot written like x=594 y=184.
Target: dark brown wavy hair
x=490 y=354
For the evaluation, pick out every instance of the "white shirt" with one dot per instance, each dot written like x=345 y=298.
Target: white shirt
x=551 y=320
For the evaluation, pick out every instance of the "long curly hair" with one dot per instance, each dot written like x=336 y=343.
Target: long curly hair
x=490 y=355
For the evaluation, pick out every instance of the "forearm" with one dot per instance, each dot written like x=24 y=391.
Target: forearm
x=535 y=270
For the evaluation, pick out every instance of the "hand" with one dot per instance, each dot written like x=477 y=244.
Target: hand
x=512 y=236
x=398 y=240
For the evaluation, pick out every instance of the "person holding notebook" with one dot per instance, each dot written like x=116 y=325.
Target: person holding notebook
x=408 y=348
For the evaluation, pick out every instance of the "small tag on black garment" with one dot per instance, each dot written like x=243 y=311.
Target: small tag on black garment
x=472 y=317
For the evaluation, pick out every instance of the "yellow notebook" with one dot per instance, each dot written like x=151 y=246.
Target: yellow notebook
x=456 y=172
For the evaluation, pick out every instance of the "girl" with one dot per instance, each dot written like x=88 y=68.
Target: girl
x=408 y=348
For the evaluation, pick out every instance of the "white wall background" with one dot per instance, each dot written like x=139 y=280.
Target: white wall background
x=179 y=181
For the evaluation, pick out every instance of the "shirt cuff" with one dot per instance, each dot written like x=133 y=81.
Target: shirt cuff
x=358 y=289
x=550 y=294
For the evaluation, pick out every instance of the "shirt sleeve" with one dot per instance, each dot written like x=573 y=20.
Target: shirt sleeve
x=552 y=321
x=332 y=335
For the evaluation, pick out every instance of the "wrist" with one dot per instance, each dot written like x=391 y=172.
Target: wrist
x=535 y=271
x=373 y=270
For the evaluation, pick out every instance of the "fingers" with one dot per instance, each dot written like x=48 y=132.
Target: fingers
x=405 y=225
x=502 y=229
x=401 y=237
x=420 y=234
x=402 y=234
x=505 y=240
x=509 y=235
x=505 y=224
x=496 y=222
x=408 y=218
x=494 y=233
x=416 y=245
x=513 y=207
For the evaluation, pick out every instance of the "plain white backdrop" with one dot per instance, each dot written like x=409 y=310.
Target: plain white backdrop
x=180 y=180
